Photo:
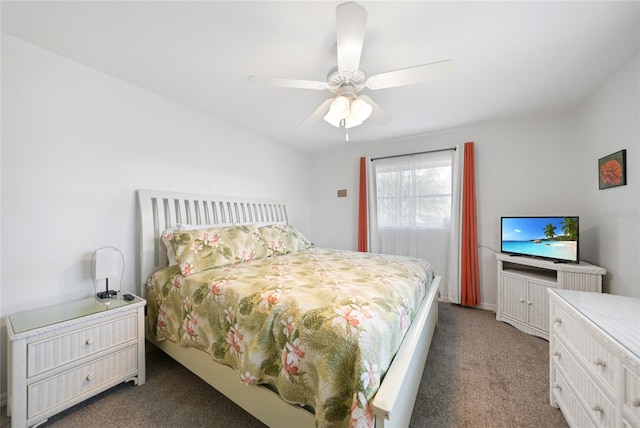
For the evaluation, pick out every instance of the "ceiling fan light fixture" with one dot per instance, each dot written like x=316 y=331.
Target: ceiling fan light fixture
x=347 y=113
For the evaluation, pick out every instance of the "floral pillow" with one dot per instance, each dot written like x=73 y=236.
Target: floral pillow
x=202 y=249
x=283 y=239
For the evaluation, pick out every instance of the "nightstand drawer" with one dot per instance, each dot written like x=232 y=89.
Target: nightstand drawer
x=54 y=352
x=66 y=386
x=592 y=351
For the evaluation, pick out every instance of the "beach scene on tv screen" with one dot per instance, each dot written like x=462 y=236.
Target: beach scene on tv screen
x=552 y=237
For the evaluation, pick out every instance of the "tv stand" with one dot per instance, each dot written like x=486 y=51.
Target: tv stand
x=523 y=301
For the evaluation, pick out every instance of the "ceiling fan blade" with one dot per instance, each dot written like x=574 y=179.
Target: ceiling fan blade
x=351 y=20
x=318 y=113
x=289 y=83
x=411 y=76
x=378 y=115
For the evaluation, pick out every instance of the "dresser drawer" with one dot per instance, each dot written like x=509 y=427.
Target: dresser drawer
x=594 y=353
x=57 y=351
x=571 y=408
x=631 y=403
x=66 y=386
x=598 y=405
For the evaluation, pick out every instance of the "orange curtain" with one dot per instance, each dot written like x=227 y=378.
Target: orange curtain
x=362 y=207
x=470 y=275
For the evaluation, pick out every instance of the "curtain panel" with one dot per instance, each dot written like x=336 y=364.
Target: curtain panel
x=470 y=273
x=362 y=208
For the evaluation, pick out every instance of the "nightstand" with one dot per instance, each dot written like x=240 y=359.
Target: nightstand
x=63 y=354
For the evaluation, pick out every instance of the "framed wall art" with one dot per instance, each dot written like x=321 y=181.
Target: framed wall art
x=612 y=170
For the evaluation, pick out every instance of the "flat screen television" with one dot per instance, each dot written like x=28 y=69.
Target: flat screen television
x=552 y=238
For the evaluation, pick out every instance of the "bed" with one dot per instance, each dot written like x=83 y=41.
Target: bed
x=392 y=401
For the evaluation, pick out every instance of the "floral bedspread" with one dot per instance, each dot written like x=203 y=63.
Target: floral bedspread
x=321 y=325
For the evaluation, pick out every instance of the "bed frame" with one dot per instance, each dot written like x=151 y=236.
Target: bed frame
x=394 y=401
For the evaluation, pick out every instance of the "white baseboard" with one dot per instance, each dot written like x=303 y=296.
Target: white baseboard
x=486 y=306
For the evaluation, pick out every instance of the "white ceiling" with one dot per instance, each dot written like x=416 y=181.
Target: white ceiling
x=510 y=58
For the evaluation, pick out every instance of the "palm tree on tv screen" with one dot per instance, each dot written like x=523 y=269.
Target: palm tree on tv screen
x=570 y=227
x=549 y=231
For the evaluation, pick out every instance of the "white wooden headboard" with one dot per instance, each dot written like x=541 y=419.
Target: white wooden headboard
x=159 y=210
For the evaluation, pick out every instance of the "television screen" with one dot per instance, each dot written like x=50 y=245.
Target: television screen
x=555 y=238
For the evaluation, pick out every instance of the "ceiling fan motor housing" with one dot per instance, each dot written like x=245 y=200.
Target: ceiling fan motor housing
x=341 y=83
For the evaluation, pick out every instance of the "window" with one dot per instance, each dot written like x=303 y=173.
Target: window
x=413 y=192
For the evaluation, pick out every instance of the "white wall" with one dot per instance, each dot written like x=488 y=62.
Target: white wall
x=607 y=122
x=523 y=167
x=76 y=144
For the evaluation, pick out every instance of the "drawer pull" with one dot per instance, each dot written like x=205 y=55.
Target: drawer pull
x=557 y=386
x=597 y=408
x=521 y=300
x=557 y=354
x=528 y=303
x=88 y=377
x=557 y=320
x=600 y=362
x=89 y=341
x=635 y=402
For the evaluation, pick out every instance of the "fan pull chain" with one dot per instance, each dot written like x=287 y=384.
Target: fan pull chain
x=343 y=122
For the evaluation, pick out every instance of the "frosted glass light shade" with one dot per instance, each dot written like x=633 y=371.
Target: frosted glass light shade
x=361 y=109
x=340 y=107
x=107 y=263
x=332 y=118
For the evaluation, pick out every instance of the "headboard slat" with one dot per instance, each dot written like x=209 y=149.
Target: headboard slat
x=154 y=212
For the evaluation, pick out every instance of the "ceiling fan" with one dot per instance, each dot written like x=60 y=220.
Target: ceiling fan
x=348 y=107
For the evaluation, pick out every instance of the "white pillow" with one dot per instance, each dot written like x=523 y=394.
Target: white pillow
x=166 y=240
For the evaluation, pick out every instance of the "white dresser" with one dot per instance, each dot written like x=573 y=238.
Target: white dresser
x=61 y=355
x=594 y=358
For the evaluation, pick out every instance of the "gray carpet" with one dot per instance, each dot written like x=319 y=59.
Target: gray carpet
x=484 y=373
x=479 y=373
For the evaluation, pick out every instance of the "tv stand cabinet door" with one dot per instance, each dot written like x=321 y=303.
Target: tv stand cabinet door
x=514 y=297
x=538 y=305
